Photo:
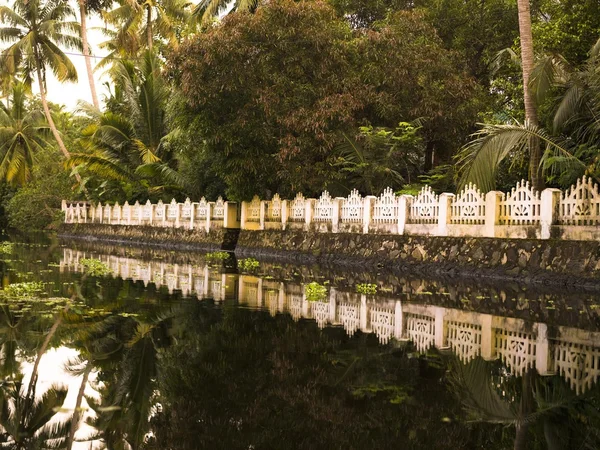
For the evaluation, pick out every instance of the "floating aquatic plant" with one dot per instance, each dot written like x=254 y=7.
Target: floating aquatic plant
x=94 y=267
x=315 y=292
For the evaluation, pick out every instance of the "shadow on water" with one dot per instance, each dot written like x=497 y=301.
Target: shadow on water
x=181 y=351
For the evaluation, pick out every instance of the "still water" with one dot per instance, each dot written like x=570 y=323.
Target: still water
x=180 y=351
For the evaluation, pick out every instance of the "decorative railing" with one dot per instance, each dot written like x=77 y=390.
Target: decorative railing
x=324 y=208
x=254 y=210
x=468 y=207
x=521 y=206
x=352 y=208
x=522 y=212
x=580 y=205
x=425 y=207
x=273 y=211
x=385 y=208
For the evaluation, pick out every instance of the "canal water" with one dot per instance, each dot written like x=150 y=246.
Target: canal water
x=155 y=349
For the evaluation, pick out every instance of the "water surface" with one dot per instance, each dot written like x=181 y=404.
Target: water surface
x=185 y=352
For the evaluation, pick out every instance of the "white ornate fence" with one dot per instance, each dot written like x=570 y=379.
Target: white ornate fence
x=468 y=208
x=520 y=213
x=425 y=207
x=580 y=205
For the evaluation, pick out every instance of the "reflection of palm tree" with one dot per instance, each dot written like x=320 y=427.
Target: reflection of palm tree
x=12 y=338
x=534 y=399
x=25 y=419
x=128 y=383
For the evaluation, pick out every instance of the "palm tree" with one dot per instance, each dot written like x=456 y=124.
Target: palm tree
x=207 y=10
x=36 y=29
x=527 y=63
x=127 y=143
x=571 y=147
x=138 y=21
x=22 y=134
x=86 y=6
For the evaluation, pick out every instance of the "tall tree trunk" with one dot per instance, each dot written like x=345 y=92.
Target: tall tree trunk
x=535 y=151
x=51 y=123
x=526 y=408
x=149 y=27
x=77 y=413
x=86 y=53
x=40 y=353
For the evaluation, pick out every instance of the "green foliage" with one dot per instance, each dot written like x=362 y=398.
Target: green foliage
x=248 y=264
x=25 y=290
x=380 y=157
x=272 y=122
x=22 y=135
x=36 y=206
x=6 y=248
x=572 y=28
x=124 y=155
x=315 y=292
x=366 y=288
x=95 y=267
x=571 y=148
x=36 y=29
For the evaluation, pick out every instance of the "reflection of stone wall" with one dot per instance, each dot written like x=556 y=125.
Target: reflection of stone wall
x=154 y=236
x=554 y=261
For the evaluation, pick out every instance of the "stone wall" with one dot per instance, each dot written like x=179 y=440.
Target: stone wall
x=548 y=261
x=176 y=238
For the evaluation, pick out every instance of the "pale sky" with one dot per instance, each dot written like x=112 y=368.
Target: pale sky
x=69 y=93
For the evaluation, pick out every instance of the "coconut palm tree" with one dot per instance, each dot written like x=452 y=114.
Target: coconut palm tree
x=139 y=22
x=36 y=29
x=85 y=7
x=23 y=132
x=571 y=147
x=207 y=10
x=527 y=63
x=127 y=143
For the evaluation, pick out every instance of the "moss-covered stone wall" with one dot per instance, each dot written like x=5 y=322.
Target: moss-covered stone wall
x=547 y=261
x=176 y=238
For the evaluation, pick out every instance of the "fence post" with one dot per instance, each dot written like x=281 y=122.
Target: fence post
x=403 y=212
x=487 y=337
x=398 y=320
x=192 y=215
x=492 y=212
x=177 y=215
x=550 y=201
x=367 y=212
x=444 y=213
x=261 y=214
x=335 y=216
x=284 y=214
x=209 y=207
x=244 y=215
x=440 y=329
x=542 y=350
x=309 y=210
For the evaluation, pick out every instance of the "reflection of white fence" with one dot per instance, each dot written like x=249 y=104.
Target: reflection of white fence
x=520 y=345
x=522 y=212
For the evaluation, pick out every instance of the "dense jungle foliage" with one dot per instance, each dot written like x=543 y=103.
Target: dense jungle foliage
x=246 y=98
